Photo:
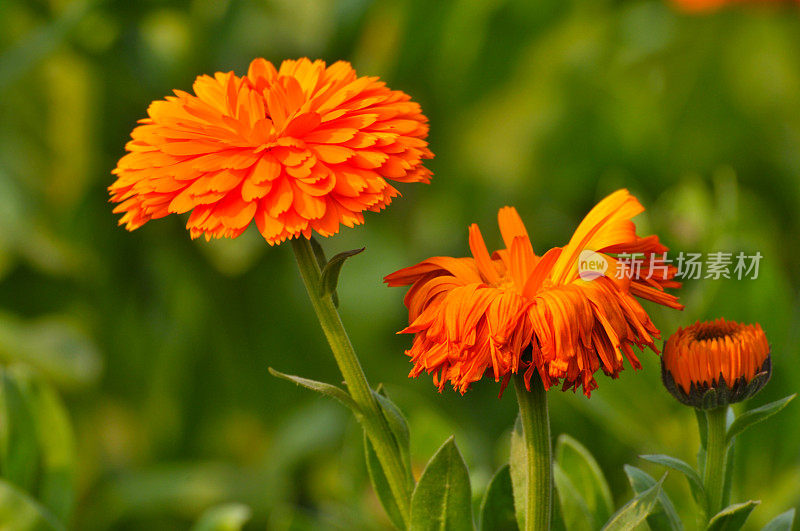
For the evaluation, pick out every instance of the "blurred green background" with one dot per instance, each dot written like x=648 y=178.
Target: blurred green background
x=160 y=345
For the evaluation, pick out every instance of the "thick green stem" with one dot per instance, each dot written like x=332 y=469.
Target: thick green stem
x=372 y=419
x=716 y=450
x=536 y=433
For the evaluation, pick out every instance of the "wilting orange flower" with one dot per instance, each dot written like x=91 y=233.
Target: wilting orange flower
x=514 y=311
x=732 y=359
x=305 y=147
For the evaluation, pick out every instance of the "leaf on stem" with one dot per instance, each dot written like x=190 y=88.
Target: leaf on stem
x=518 y=462
x=16 y=507
x=381 y=485
x=330 y=273
x=695 y=483
x=732 y=518
x=321 y=387
x=664 y=516
x=399 y=427
x=497 y=506
x=782 y=522
x=322 y=261
x=574 y=509
x=585 y=474
x=442 y=499
x=635 y=511
x=756 y=415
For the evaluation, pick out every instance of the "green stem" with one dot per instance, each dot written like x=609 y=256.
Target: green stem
x=372 y=418
x=716 y=450
x=536 y=433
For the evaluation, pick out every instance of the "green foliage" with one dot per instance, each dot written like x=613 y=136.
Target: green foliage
x=517 y=468
x=442 y=499
x=732 y=518
x=584 y=473
x=664 y=516
x=695 y=483
x=756 y=415
x=782 y=522
x=321 y=387
x=497 y=507
x=229 y=517
x=637 y=510
x=20 y=512
x=329 y=278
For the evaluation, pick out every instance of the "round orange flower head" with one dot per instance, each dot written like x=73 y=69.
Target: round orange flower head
x=565 y=314
x=712 y=364
x=305 y=147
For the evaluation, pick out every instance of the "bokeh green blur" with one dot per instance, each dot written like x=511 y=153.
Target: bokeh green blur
x=160 y=345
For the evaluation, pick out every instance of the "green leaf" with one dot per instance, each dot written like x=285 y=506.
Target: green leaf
x=635 y=511
x=20 y=512
x=381 y=485
x=19 y=454
x=756 y=415
x=399 y=427
x=330 y=274
x=56 y=445
x=228 y=517
x=55 y=347
x=782 y=522
x=321 y=387
x=727 y=485
x=695 y=483
x=574 y=510
x=702 y=428
x=732 y=517
x=518 y=465
x=587 y=477
x=442 y=499
x=322 y=261
x=497 y=506
x=664 y=516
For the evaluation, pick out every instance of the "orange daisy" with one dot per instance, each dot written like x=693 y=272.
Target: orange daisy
x=731 y=358
x=515 y=311
x=302 y=148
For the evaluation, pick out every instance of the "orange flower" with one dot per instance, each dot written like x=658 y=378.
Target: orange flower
x=729 y=358
x=305 y=147
x=514 y=311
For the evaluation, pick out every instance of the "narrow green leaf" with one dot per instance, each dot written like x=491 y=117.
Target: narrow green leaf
x=574 y=510
x=20 y=512
x=442 y=499
x=497 y=506
x=19 y=448
x=782 y=522
x=321 y=387
x=228 y=517
x=733 y=517
x=56 y=444
x=635 y=511
x=587 y=477
x=695 y=483
x=756 y=415
x=664 y=516
x=381 y=485
x=518 y=462
x=727 y=485
x=702 y=428
x=322 y=261
x=330 y=274
x=399 y=427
